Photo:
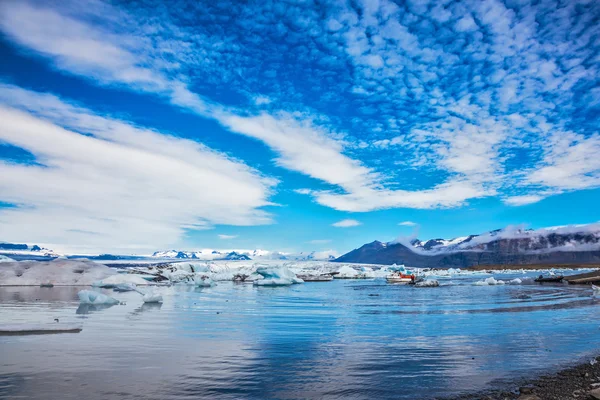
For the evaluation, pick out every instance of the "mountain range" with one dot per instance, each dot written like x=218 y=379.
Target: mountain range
x=559 y=245
x=257 y=254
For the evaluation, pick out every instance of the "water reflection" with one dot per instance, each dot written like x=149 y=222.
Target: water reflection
x=333 y=340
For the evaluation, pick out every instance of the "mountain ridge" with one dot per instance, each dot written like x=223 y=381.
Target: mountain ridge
x=559 y=245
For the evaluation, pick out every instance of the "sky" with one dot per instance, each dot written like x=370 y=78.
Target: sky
x=137 y=126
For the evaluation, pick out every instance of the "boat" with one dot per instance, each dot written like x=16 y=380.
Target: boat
x=316 y=278
x=399 y=277
x=549 y=279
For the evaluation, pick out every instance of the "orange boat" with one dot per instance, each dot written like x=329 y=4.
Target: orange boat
x=399 y=277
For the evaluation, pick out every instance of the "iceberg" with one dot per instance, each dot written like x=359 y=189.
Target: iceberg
x=120 y=279
x=152 y=298
x=427 y=283
x=276 y=276
x=125 y=287
x=4 y=259
x=489 y=282
x=346 y=272
x=59 y=272
x=91 y=297
x=203 y=281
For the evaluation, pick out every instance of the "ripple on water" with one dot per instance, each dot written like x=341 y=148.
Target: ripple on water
x=342 y=339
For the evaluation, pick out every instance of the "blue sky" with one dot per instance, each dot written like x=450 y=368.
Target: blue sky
x=294 y=126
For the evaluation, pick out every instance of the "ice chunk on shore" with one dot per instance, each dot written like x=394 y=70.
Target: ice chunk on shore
x=39 y=329
x=489 y=282
x=276 y=276
x=91 y=297
x=427 y=283
x=119 y=279
x=58 y=272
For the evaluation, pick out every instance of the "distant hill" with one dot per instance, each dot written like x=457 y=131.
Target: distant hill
x=562 y=245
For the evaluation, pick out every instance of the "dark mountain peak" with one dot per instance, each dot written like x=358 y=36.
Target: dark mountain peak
x=561 y=245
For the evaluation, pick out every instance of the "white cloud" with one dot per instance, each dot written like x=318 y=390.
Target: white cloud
x=116 y=186
x=470 y=125
x=346 y=223
x=227 y=237
x=301 y=145
x=523 y=200
x=407 y=223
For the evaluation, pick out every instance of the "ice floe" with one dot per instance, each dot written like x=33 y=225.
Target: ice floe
x=203 y=281
x=96 y=298
x=427 y=283
x=152 y=298
x=273 y=276
x=39 y=329
x=4 y=259
x=489 y=282
x=124 y=287
x=120 y=279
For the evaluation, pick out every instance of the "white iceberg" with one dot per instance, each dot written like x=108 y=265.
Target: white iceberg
x=427 y=283
x=58 y=272
x=120 y=279
x=152 y=298
x=276 y=276
x=125 y=287
x=489 y=282
x=203 y=281
x=91 y=297
x=346 y=272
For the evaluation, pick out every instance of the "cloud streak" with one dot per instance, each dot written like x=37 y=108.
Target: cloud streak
x=346 y=223
x=102 y=182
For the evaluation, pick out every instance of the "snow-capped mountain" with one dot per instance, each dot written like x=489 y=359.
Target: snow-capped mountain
x=19 y=249
x=257 y=254
x=512 y=245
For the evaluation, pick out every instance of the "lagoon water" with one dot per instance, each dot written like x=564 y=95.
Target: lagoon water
x=356 y=339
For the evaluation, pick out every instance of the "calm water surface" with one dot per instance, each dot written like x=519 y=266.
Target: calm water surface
x=343 y=339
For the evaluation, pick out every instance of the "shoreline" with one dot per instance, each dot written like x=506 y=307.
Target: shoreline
x=573 y=382
x=530 y=267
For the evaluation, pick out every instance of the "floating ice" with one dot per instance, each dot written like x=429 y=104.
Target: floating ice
x=427 y=283
x=515 y=281
x=273 y=276
x=120 y=279
x=39 y=329
x=91 y=297
x=4 y=259
x=203 y=281
x=124 y=287
x=489 y=282
x=152 y=298
x=58 y=272
x=346 y=272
